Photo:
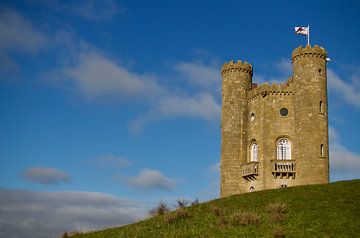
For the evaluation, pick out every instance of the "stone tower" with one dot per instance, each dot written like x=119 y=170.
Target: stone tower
x=275 y=135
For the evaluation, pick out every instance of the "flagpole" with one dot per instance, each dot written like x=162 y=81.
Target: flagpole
x=308 y=35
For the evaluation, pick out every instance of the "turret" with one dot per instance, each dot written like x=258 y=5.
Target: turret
x=239 y=71
x=236 y=82
x=311 y=114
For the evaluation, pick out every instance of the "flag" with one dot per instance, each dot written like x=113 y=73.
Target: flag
x=302 y=30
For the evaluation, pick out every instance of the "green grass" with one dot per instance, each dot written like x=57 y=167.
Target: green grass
x=329 y=210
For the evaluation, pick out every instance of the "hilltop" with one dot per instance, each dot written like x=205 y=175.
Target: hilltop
x=327 y=210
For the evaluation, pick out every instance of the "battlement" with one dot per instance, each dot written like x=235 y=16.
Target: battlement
x=231 y=66
x=267 y=89
x=315 y=51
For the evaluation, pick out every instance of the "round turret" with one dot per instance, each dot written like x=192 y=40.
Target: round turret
x=310 y=110
x=236 y=83
x=239 y=72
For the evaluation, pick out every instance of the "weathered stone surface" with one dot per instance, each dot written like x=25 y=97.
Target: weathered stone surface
x=251 y=114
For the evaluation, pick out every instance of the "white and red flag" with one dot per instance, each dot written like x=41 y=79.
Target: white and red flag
x=302 y=30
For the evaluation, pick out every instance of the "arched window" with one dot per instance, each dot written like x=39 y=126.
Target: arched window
x=254 y=152
x=283 y=149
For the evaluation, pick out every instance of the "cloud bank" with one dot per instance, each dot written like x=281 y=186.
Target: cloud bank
x=48 y=214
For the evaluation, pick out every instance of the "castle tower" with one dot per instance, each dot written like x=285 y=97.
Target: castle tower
x=236 y=82
x=275 y=135
x=311 y=114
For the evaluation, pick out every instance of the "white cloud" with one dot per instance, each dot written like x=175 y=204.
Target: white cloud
x=348 y=90
x=344 y=163
x=112 y=161
x=197 y=73
x=45 y=175
x=152 y=179
x=48 y=214
x=19 y=34
x=98 y=77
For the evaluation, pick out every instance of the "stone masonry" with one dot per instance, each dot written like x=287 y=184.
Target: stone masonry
x=275 y=135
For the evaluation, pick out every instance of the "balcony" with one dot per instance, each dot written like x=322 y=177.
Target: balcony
x=284 y=168
x=250 y=170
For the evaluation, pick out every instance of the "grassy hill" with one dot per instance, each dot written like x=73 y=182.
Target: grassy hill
x=330 y=210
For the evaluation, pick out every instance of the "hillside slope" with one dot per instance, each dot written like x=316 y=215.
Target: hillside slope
x=330 y=210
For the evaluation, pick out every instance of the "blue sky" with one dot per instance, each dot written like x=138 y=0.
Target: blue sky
x=117 y=103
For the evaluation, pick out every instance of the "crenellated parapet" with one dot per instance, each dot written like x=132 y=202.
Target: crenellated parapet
x=309 y=51
x=239 y=66
x=274 y=89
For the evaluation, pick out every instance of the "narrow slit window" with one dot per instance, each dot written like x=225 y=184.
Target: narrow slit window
x=322 y=149
x=321 y=106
